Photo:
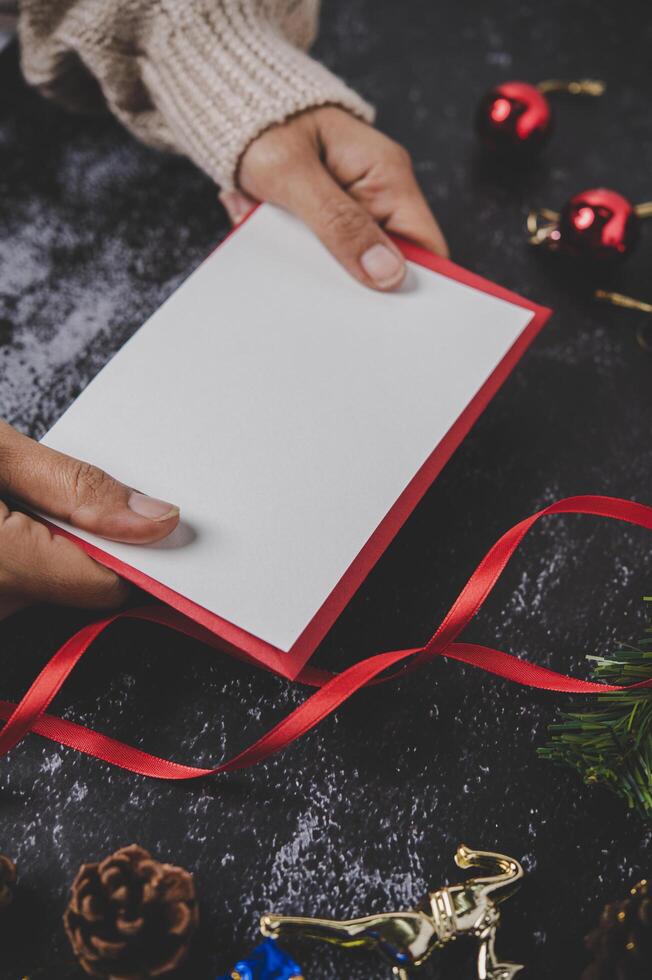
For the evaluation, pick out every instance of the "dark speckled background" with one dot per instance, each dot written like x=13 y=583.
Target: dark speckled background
x=365 y=812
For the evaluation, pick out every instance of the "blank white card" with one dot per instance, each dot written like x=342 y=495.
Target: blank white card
x=284 y=408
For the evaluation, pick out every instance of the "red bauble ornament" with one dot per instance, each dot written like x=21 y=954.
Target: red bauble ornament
x=516 y=118
x=598 y=225
x=513 y=117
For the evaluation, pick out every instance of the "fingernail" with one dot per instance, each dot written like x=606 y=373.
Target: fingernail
x=382 y=265
x=150 y=507
x=236 y=205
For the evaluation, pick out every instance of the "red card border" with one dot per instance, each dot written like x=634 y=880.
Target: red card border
x=238 y=642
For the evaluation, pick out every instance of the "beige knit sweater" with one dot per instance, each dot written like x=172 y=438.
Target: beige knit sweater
x=199 y=77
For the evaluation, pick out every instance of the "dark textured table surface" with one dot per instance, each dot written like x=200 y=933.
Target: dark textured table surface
x=365 y=812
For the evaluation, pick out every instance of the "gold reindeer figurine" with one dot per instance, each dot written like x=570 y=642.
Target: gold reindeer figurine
x=407 y=939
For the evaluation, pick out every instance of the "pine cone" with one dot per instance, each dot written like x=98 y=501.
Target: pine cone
x=131 y=917
x=621 y=945
x=7 y=881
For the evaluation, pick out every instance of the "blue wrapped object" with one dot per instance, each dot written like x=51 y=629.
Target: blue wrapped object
x=266 y=962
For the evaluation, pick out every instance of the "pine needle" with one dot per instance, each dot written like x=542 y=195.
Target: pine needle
x=611 y=743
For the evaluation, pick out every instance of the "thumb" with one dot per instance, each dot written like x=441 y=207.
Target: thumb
x=79 y=493
x=343 y=225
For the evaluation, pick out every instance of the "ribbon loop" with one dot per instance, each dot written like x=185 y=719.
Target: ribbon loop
x=331 y=689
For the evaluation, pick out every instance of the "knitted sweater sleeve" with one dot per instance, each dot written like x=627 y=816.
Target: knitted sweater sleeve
x=198 y=77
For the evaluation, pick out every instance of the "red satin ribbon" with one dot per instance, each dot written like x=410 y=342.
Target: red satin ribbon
x=332 y=689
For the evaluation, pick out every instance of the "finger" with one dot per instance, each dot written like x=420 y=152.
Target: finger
x=395 y=198
x=343 y=225
x=237 y=205
x=81 y=494
x=412 y=218
x=10 y=605
x=379 y=174
x=38 y=566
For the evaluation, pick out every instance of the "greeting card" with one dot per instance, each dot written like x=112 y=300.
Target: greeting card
x=296 y=418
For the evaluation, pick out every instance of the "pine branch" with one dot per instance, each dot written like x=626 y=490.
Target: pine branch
x=611 y=744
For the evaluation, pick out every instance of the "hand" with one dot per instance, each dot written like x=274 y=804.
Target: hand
x=348 y=182
x=39 y=566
